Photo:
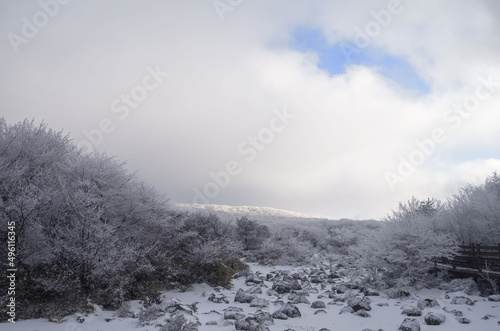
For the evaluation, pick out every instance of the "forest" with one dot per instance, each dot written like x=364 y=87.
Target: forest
x=89 y=231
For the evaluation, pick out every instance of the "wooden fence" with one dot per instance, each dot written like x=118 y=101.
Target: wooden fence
x=474 y=259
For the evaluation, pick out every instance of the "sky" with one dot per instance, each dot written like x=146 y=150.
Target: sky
x=331 y=108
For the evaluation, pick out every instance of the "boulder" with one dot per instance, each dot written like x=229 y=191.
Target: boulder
x=218 y=298
x=362 y=313
x=412 y=311
x=254 y=290
x=243 y=297
x=253 y=279
x=250 y=324
x=279 y=315
x=427 y=303
x=359 y=303
x=282 y=287
x=318 y=304
x=300 y=299
x=494 y=298
x=290 y=310
x=460 y=300
x=233 y=313
x=434 y=319
x=410 y=324
x=258 y=302
x=463 y=320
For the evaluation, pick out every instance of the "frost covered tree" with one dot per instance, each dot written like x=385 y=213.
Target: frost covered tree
x=250 y=233
x=407 y=242
x=86 y=228
x=473 y=214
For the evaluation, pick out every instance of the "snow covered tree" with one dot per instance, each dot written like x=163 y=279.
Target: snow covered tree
x=406 y=244
x=250 y=233
x=473 y=214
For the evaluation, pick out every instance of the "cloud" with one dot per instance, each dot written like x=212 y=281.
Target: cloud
x=226 y=78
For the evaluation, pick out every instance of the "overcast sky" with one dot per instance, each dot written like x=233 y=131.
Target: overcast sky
x=331 y=108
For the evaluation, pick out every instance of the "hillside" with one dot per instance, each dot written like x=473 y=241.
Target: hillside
x=262 y=214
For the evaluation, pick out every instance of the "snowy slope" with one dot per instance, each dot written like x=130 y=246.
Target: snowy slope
x=254 y=213
x=385 y=313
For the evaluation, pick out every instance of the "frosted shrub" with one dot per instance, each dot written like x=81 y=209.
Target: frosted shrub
x=179 y=323
x=149 y=314
x=124 y=310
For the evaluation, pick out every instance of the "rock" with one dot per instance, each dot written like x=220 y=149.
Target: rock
x=80 y=319
x=372 y=330
x=252 y=279
x=300 y=299
x=263 y=317
x=318 y=304
x=322 y=311
x=362 y=313
x=250 y=324
x=290 y=310
x=434 y=319
x=271 y=293
x=243 y=297
x=494 y=298
x=346 y=309
x=279 y=315
x=410 y=324
x=460 y=300
x=487 y=317
x=211 y=323
x=254 y=290
x=463 y=320
x=427 y=303
x=412 y=311
x=340 y=289
x=324 y=329
x=358 y=304
x=258 y=302
x=383 y=304
x=372 y=293
x=282 y=287
x=316 y=280
x=396 y=293
x=218 y=298
x=233 y=313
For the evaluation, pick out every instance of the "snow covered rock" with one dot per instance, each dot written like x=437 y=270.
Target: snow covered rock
x=410 y=324
x=258 y=302
x=233 y=313
x=463 y=320
x=253 y=279
x=254 y=290
x=358 y=304
x=318 y=304
x=250 y=324
x=460 y=300
x=434 y=319
x=243 y=297
x=300 y=299
x=218 y=298
x=494 y=298
x=346 y=309
x=362 y=313
x=282 y=287
x=427 y=303
x=290 y=310
x=412 y=311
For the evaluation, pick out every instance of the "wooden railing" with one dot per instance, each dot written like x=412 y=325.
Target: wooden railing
x=477 y=257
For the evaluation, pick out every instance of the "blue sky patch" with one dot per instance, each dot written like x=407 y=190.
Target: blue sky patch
x=333 y=59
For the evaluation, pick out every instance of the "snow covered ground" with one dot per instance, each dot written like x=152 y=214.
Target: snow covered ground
x=317 y=285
